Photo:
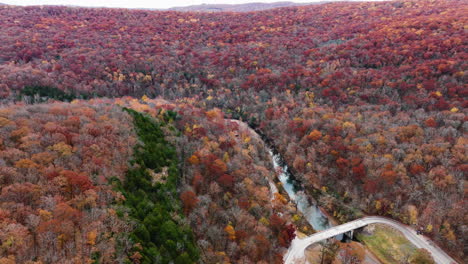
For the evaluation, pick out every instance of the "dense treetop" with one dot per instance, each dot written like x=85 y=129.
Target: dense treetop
x=387 y=53
x=55 y=201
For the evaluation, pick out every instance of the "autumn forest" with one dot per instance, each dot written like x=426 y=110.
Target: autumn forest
x=128 y=136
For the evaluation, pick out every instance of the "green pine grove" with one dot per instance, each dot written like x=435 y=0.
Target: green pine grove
x=154 y=207
x=45 y=93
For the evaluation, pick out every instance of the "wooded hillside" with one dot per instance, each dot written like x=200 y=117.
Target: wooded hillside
x=366 y=102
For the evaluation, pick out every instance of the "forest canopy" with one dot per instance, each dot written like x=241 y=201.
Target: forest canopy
x=365 y=101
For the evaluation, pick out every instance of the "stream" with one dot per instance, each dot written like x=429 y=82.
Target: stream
x=320 y=221
x=311 y=212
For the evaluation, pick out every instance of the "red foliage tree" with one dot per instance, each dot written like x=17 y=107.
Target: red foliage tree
x=77 y=182
x=189 y=201
x=226 y=181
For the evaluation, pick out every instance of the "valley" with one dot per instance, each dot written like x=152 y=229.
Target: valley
x=331 y=133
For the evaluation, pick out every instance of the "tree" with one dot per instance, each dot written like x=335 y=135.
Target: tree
x=43 y=158
x=359 y=171
x=277 y=223
x=189 y=201
x=194 y=160
x=77 y=183
x=430 y=122
x=62 y=148
x=26 y=164
x=217 y=168
x=287 y=235
x=416 y=169
x=92 y=237
x=262 y=246
x=412 y=214
x=389 y=176
x=183 y=258
x=64 y=212
x=328 y=251
x=315 y=135
x=197 y=182
x=299 y=163
x=342 y=163
x=226 y=181
x=229 y=229
x=351 y=253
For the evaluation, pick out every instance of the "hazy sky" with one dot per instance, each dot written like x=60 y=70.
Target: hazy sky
x=136 y=3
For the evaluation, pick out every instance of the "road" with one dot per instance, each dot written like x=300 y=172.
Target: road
x=296 y=251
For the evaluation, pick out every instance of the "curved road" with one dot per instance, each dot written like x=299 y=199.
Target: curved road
x=296 y=251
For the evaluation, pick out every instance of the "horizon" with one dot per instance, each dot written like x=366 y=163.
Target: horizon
x=145 y=4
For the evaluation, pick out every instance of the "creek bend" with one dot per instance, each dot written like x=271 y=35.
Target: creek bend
x=319 y=221
x=311 y=212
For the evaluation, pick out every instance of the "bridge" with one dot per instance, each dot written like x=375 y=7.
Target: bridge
x=298 y=246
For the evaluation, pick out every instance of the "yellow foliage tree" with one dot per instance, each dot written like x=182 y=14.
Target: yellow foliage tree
x=214 y=114
x=45 y=215
x=448 y=232
x=315 y=135
x=349 y=125
x=429 y=228
x=226 y=157
x=62 y=148
x=230 y=231
x=19 y=133
x=4 y=121
x=378 y=205
x=194 y=160
x=92 y=238
x=25 y=164
x=280 y=198
x=264 y=221
x=43 y=158
x=9 y=260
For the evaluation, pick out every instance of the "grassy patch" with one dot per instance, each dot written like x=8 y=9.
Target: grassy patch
x=388 y=244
